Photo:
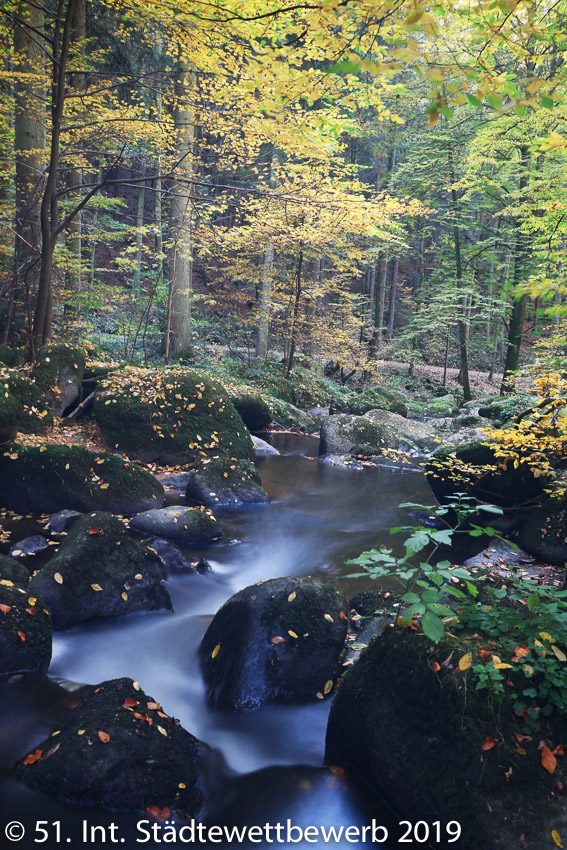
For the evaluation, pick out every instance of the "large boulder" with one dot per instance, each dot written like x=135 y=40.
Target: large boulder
x=545 y=532
x=25 y=631
x=99 y=571
x=36 y=416
x=52 y=477
x=444 y=406
x=278 y=641
x=119 y=749
x=12 y=571
x=254 y=411
x=474 y=468
x=186 y=526
x=372 y=433
x=172 y=415
x=409 y=721
x=503 y=408
x=289 y=416
x=58 y=372
x=379 y=398
x=221 y=481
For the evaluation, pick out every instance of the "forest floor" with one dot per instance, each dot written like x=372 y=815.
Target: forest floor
x=480 y=384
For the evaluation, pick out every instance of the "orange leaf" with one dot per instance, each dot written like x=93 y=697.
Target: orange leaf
x=488 y=743
x=22 y=636
x=5 y=608
x=33 y=757
x=153 y=706
x=436 y=666
x=130 y=702
x=30 y=611
x=155 y=814
x=104 y=737
x=342 y=615
x=93 y=531
x=521 y=651
x=278 y=639
x=558 y=751
x=548 y=760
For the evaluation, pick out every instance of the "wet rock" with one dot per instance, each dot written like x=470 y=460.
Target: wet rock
x=29 y=546
x=261 y=447
x=414 y=732
x=62 y=521
x=171 y=415
x=222 y=481
x=169 y=555
x=254 y=411
x=379 y=398
x=120 y=749
x=372 y=433
x=25 y=631
x=499 y=556
x=54 y=477
x=186 y=526
x=202 y=566
x=369 y=603
x=472 y=468
x=175 y=480
x=278 y=641
x=286 y=415
x=58 y=373
x=99 y=571
x=401 y=433
x=12 y=570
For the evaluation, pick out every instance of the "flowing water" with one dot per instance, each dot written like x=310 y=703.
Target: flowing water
x=270 y=766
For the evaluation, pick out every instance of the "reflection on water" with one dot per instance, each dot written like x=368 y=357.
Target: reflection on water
x=318 y=517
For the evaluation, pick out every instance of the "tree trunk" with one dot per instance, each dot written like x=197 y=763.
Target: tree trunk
x=137 y=276
x=29 y=145
x=462 y=324
x=263 y=329
x=521 y=252
x=293 y=340
x=393 y=296
x=180 y=289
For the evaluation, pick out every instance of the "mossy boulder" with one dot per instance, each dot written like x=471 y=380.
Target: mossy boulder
x=119 y=749
x=58 y=373
x=545 y=532
x=173 y=415
x=52 y=477
x=14 y=571
x=381 y=398
x=442 y=407
x=473 y=468
x=11 y=414
x=470 y=420
x=12 y=356
x=255 y=412
x=170 y=556
x=399 y=432
x=186 y=526
x=36 y=416
x=222 y=481
x=503 y=408
x=99 y=571
x=371 y=434
x=418 y=737
x=26 y=630
x=278 y=641
x=288 y=416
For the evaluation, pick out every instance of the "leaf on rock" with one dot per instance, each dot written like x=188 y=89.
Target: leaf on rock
x=548 y=760
x=291 y=633
x=5 y=608
x=489 y=742
x=291 y=596
x=22 y=636
x=130 y=702
x=556 y=838
x=215 y=651
x=328 y=687
x=58 y=578
x=96 y=587
x=162 y=731
x=328 y=618
x=278 y=639
x=104 y=737
x=33 y=757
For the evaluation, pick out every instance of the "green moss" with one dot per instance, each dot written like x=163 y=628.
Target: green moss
x=12 y=356
x=11 y=413
x=36 y=416
x=25 y=631
x=175 y=414
x=54 y=359
x=379 y=398
x=506 y=407
x=54 y=477
x=254 y=411
x=14 y=571
x=221 y=481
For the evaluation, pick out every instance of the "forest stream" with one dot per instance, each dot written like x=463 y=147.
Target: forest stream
x=268 y=764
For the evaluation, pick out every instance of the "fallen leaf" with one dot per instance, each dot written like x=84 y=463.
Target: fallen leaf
x=154 y=706
x=136 y=686
x=328 y=618
x=291 y=596
x=436 y=666
x=556 y=838
x=22 y=636
x=5 y=608
x=58 y=578
x=465 y=662
x=559 y=654
x=278 y=639
x=155 y=814
x=342 y=615
x=33 y=757
x=558 y=751
x=93 y=531
x=548 y=760
x=328 y=687
x=162 y=731
x=104 y=737
x=130 y=702
x=488 y=743
x=215 y=651
x=96 y=587
x=291 y=634
x=521 y=651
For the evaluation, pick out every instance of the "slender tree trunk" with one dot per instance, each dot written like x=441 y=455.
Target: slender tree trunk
x=521 y=253
x=379 y=304
x=29 y=148
x=48 y=213
x=393 y=296
x=462 y=324
x=137 y=276
x=75 y=178
x=263 y=329
x=294 y=321
x=179 y=313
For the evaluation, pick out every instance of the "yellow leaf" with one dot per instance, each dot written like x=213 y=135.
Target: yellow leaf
x=291 y=596
x=320 y=695
x=465 y=662
x=104 y=486
x=328 y=687
x=292 y=634
x=6 y=582
x=556 y=838
x=328 y=618
x=162 y=730
x=559 y=654
x=125 y=596
x=546 y=636
x=136 y=686
x=58 y=578
x=215 y=651
x=96 y=587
